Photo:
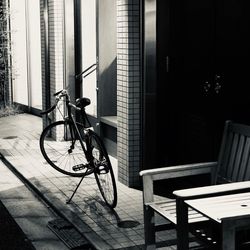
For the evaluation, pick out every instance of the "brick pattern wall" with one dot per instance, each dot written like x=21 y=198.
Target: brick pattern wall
x=56 y=50
x=43 y=47
x=128 y=91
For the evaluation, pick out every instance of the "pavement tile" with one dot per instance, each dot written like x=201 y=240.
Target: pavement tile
x=86 y=210
x=33 y=227
x=49 y=244
x=26 y=208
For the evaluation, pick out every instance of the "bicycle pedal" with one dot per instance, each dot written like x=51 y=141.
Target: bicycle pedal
x=79 y=167
x=103 y=169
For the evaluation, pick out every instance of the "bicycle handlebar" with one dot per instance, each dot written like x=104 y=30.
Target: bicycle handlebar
x=49 y=110
x=61 y=93
x=54 y=106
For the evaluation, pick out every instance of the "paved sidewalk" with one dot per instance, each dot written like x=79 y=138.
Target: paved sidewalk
x=106 y=229
x=29 y=214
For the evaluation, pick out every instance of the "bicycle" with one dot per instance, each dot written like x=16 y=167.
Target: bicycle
x=74 y=149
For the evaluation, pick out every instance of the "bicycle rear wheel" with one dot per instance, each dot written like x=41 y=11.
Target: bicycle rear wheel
x=61 y=148
x=103 y=170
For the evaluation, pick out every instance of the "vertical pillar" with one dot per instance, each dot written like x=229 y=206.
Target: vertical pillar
x=69 y=46
x=5 y=55
x=45 y=56
x=149 y=84
x=56 y=48
x=128 y=91
x=57 y=35
x=52 y=36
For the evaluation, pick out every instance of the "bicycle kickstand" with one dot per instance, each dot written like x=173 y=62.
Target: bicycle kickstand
x=78 y=185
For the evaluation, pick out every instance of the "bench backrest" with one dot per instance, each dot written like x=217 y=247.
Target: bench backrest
x=234 y=160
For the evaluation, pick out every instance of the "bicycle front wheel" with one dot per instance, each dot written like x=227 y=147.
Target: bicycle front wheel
x=103 y=170
x=62 y=149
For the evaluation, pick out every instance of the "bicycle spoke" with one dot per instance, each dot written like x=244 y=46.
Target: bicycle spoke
x=103 y=171
x=59 y=150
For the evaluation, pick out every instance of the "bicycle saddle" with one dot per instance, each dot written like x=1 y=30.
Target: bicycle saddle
x=82 y=102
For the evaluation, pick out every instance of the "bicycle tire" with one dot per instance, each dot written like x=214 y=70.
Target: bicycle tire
x=104 y=174
x=56 y=147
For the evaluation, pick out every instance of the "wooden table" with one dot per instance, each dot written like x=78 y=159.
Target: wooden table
x=231 y=211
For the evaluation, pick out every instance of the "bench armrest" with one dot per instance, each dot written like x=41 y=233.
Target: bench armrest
x=179 y=171
x=206 y=191
x=151 y=175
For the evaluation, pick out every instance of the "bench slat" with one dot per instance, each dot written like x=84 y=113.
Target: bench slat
x=167 y=209
x=238 y=158
x=214 y=189
x=244 y=161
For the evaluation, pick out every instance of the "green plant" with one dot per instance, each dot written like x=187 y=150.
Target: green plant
x=8 y=110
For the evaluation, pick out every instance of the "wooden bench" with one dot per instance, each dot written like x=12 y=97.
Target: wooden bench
x=232 y=167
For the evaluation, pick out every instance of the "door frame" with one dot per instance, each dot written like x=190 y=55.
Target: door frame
x=78 y=59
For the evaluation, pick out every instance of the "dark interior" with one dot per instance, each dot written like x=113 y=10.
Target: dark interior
x=202 y=75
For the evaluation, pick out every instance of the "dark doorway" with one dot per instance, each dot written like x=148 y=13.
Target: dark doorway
x=202 y=69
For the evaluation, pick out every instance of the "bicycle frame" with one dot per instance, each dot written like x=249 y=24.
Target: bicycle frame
x=71 y=118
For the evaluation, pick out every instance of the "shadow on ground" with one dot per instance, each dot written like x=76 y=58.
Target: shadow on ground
x=12 y=236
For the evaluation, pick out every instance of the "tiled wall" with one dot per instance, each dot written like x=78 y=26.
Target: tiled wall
x=56 y=49
x=42 y=25
x=128 y=79
x=128 y=91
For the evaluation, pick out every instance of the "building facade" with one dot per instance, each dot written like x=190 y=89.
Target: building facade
x=106 y=39
x=161 y=75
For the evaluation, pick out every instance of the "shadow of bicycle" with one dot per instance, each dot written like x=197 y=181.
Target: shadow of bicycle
x=98 y=207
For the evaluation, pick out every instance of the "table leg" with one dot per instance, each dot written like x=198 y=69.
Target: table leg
x=182 y=225
x=228 y=234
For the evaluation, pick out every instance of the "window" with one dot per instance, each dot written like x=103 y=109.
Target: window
x=26 y=52
x=88 y=24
